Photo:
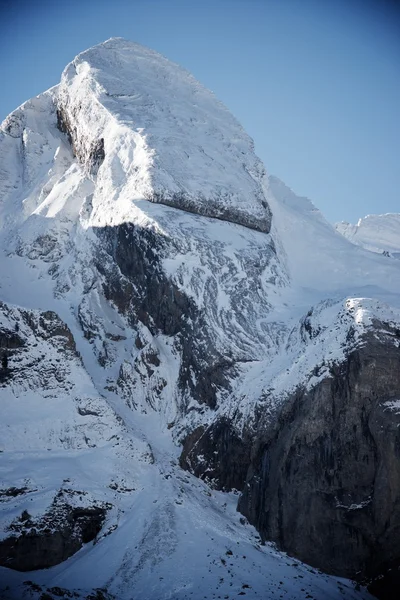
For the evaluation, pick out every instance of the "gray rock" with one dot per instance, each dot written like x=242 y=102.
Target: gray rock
x=322 y=479
x=217 y=454
x=212 y=207
x=45 y=542
x=133 y=279
x=324 y=482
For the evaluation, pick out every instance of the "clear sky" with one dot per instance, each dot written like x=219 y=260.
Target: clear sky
x=315 y=83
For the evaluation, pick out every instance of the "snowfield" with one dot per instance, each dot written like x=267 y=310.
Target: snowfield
x=95 y=410
x=377 y=233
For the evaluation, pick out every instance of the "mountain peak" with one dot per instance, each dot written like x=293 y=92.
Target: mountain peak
x=173 y=141
x=119 y=44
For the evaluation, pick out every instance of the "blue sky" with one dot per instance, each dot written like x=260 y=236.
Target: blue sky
x=315 y=83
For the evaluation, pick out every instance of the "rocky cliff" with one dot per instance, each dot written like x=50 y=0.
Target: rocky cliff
x=324 y=481
x=321 y=478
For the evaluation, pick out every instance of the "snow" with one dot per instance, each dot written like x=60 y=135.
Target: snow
x=168 y=522
x=164 y=134
x=280 y=304
x=320 y=258
x=377 y=233
x=163 y=520
x=393 y=405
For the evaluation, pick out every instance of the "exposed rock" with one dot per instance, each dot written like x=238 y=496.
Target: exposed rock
x=86 y=411
x=322 y=479
x=52 y=326
x=53 y=593
x=217 y=454
x=26 y=327
x=213 y=207
x=386 y=586
x=325 y=481
x=10 y=340
x=45 y=542
x=135 y=282
x=96 y=155
x=64 y=125
x=92 y=154
x=12 y=492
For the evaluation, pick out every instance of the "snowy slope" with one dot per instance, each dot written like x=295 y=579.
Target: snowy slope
x=378 y=233
x=61 y=439
x=322 y=259
x=129 y=146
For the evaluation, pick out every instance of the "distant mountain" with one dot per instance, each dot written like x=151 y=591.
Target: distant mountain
x=378 y=233
x=181 y=336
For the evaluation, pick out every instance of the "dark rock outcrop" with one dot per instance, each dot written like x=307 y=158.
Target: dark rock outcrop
x=325 y=481
x=89 y=153
x=42 y=543
x=24 y=330
x=217 y=454
x=322 y=479
x=133 y=279
x=213 y=207
x=10 y=343
x=43 y=592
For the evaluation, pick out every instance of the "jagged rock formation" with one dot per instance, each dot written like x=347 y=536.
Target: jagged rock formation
x=157 y=322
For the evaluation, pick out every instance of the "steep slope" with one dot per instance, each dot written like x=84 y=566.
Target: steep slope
x=160 y=135
x=330 y=490
x=378 y=233
x=62 y=445
x=312 y=435
x=66 y=212
x=164 y=320
x=80 y=481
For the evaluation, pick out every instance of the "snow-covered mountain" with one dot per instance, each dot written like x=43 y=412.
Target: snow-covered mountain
x=179 y=335
x=378 y=233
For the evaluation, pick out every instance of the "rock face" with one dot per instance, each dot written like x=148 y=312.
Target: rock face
x=48 y=403
x=325 y=482
x=218 y=454
x=133 y=279
x=322 y=479
x=40 y=544
x=46 y=328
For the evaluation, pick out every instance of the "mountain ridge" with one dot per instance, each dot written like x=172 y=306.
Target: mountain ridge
x=377 y=233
